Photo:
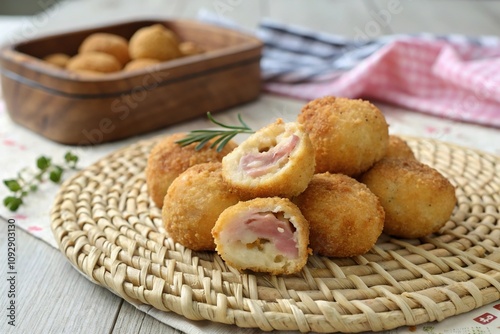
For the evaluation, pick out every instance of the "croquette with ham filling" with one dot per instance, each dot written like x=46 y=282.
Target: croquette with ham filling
x=277 y=160
x=57 y=59
x=139 y=64
x=398 y=148
x=154 y=42
x=417 y=199
x=264 y=235
x=348 y=135
x=345 y=217
x=168 y=159
x=193 y=203
x=112 y=44
x=94 y=62
x=189 y=48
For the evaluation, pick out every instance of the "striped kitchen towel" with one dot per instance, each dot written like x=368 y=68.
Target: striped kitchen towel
x=452 y=76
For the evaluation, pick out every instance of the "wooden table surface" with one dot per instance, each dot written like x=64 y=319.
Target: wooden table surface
x=52 y=297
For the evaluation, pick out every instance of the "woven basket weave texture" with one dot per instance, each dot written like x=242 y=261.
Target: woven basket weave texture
x=109 y=229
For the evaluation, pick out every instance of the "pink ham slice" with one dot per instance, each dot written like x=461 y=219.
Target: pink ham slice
x=258 y=164
x=266 y=226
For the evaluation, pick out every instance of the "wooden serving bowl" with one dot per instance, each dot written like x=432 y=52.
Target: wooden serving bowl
x=80 y=109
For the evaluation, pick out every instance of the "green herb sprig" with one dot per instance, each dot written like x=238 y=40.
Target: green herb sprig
x=27 y=180
x=202 y=137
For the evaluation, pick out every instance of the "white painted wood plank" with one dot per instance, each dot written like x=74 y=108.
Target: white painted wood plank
x=131 y=320
x=51 y=296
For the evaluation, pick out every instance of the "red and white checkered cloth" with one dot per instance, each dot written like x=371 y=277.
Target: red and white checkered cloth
x=460 y=82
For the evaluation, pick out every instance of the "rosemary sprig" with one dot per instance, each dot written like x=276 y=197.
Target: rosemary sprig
x=202 y=137
x=27 y=181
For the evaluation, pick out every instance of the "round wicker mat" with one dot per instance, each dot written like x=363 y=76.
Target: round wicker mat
x=109 y=229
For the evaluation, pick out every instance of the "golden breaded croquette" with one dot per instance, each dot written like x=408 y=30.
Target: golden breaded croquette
x=348 y=135
x=168 y=159
x=417 y=199
x=112 y=44
x=57 y=59
x=277 y=160
x=155 y=42
x=94 y=62
x=140 y=63
x=263 y=234
x=87 y=74
x=398 y=148
x=189 y=48
x=193 y=203
x=345 y=217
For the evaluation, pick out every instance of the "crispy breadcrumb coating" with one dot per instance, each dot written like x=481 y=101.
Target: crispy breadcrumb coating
x=263 y=234
x=112 y=44
x=398 y=148
x=417 y=199
x=94 y=62
x=168 y=159
x=193 y=203
x=277 y=160
x=345 y=217
x=156 y=42
x=348 y=135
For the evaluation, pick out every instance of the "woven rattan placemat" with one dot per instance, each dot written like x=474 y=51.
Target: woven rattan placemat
x=108 y=228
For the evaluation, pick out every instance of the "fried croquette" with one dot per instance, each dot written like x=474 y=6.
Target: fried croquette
x=417 y=199
x=189 y=48
x=141 y=63
x=57 y=59
x=345 y=217
x=348 y=136
x=398 y=148
x=94 y=62
x=87 y=74
x=277 y=160
x=263 y=234
x=168 y=159
x=193 y=203
x=112 y=44
x=155 y=42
